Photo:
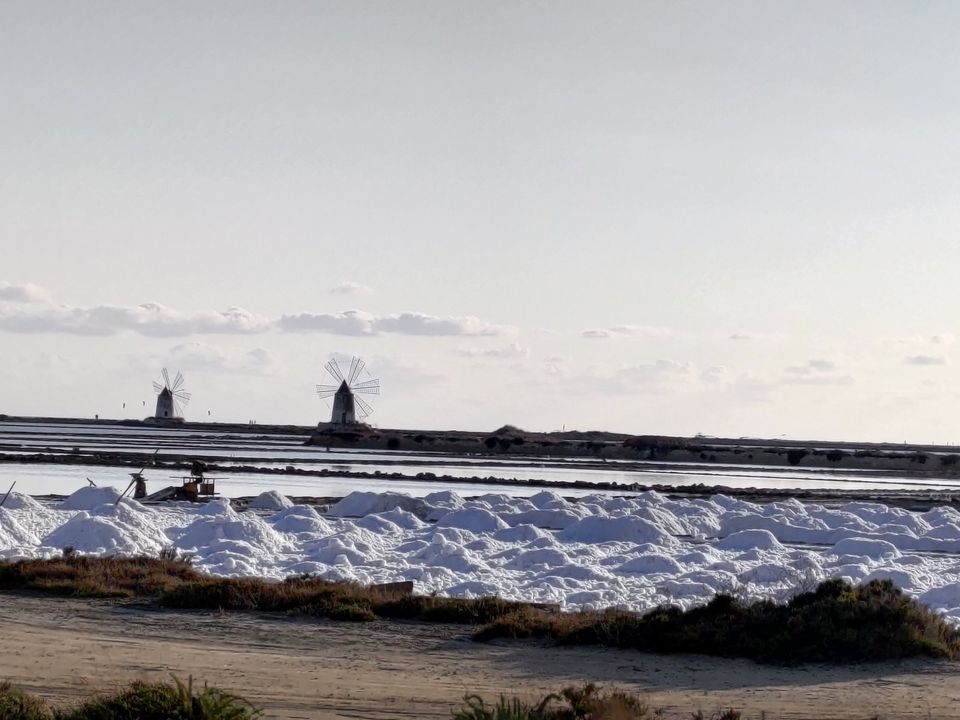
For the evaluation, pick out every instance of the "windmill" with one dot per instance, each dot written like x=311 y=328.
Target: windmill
x=348 y=408
x=171 y=397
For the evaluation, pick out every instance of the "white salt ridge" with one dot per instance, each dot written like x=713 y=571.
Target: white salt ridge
x=635 y=552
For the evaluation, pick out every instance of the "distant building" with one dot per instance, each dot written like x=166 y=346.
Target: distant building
x=165 y=405
x=344 y=407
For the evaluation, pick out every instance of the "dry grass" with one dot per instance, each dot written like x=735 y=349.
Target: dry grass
x=835 y=623
x=86 y=576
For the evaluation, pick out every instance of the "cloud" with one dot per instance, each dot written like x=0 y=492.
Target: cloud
x=358 y=322
x=943 y=339
x=657 y=376
x=713 y=374
x=626 y=331
x=411 y=323
x=348 y=287
x=351 y=322
x=199 y=357
x=926 y=360
x=150 y=319
x=25 y=293
x=813 y=367
x=21 y=312
x=819 y=380
x=510 y=352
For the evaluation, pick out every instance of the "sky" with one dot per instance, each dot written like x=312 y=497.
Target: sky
x=735 y=219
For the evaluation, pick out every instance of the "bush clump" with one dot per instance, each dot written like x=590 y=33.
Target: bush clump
x=85 y=576
x=584 y=703
x=836 y=622
x=17 y=705
x=141 y=701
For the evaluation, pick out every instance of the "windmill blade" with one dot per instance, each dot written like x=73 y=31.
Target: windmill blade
x=166 y=378
x=363 y=406
x=178 y=382
x=157 y=387
x=356 y=367
x=183 y=396
x=368 y=388
x=177 y=408
x=325 y=391
x=372 y=382
x=334 y=369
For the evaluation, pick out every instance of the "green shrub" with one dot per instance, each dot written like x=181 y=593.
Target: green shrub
x=165 y=701
x=17 y=705
x=835 y=623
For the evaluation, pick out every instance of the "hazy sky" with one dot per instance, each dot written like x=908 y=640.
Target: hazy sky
x=733 y=218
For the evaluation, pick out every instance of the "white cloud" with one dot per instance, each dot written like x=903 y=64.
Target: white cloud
x=412 y=323
x=926 y=360
x=200 y=357
x=351 y=322
x=149 y=319
x=813 y=367
x=25 y=293
x=23 y=313
x=626 y=331
x=510 y=352
x=348 y=287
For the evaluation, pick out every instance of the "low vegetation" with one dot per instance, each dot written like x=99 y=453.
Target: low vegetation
x=334 y=600
x=174 y=700
x=584 y=703
x=837 y=622
x=86 y=576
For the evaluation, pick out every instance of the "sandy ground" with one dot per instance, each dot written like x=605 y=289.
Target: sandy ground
x=67 y=649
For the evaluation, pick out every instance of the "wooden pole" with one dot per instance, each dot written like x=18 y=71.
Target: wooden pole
x=8 y=493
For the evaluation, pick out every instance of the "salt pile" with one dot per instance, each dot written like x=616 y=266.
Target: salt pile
x=270 y=500
x=635 y=552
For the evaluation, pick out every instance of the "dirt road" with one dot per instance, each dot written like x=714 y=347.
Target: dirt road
x=66 y=649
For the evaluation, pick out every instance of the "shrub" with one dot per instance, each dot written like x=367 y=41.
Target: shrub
x=835 y=623
x=949 y=460
x=584 y=703
x=166 y=701
x=795 y=455
x=140 y=701
x=17 y=705
x=835 y=455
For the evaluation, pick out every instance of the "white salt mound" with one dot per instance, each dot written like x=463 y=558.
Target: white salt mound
x=271 y=500
x=87 y=498
x=19 y=501
x=358 y=504
x=750 y=540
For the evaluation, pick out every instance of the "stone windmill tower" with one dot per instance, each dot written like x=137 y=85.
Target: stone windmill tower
x=171 y=397
x=348 y=409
